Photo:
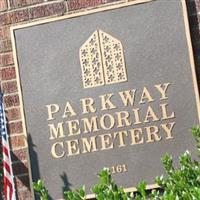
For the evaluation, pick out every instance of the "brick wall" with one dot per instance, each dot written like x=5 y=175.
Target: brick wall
x=194 y=20
x=17 y=11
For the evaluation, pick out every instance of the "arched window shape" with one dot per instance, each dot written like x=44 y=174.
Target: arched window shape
x=102 y=60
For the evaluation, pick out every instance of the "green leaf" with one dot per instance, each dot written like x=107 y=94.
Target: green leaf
x=179 y=183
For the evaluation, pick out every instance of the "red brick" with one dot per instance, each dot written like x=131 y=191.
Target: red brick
x=11 y=100
x=197 y=3
x=198 y=18
x=17 y=142
x=20 y=168
x=79 y=4
x=9 y=87
x=14 y=17
x=5 y=45
x=15 y=127
x=191 y=6
x=4 y=32
x=13 y=114
x=22 y=181
x=3 y=5
x=6 y=59
x=24 y=195
x=22 y=3
x=47 y=10
x=7 y=73
x=20 y=154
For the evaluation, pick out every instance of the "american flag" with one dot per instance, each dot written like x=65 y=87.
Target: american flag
x=8 y=181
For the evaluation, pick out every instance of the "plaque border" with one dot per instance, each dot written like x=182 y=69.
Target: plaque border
x=101 y=8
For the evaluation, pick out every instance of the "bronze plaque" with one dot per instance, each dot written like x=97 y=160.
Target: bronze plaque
x=112 y=87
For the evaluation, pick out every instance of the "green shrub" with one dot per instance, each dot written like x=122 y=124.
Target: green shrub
x=180 y=183
x=40 y=188
x=107 y=189
x=75 y=195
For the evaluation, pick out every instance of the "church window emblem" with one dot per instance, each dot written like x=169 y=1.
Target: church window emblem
x=102 y=60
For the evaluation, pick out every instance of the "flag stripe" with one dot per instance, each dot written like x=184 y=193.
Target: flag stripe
x=5 y=151
x=7 y=167
x=8 y=190
x=8 y=182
